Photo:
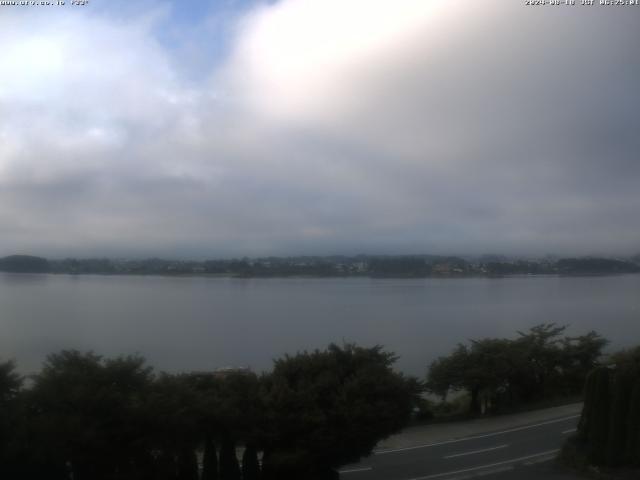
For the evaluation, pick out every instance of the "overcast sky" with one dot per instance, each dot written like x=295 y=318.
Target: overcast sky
x=211 y=129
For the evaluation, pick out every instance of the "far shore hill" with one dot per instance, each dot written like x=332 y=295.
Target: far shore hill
x=393 y=266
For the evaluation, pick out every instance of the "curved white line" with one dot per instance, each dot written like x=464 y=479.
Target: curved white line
x=354 y=470
x=474 y=437
x=476 y=451
x=482 y=467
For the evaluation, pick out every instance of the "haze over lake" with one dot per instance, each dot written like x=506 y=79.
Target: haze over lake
x=198 y=323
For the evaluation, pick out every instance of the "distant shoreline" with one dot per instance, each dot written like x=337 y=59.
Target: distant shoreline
x=419 y=266
x=307 y=277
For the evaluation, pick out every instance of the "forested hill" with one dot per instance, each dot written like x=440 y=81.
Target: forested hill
x=24 y=264
x=594 y=266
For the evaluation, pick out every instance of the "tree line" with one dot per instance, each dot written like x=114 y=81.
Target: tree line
x=83 y=416
x=499 y=373
x=88 y=417
x=402 y=266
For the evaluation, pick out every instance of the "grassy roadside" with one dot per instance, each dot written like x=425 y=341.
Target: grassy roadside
x=458 y=410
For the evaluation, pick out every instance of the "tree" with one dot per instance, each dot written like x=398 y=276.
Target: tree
x=580 y=355
x=494 y=366
x=250 y=464
x=10 y=385
x=86 y=413
x=586 y=418
x=87 y=417
x=209 y=460
x=498 y=371
x=483 y=370
x=187 y=464
x=632 y=449
x=627 y=363
x=10 y=381
x=446 y=373
x=174 y=427
x=593 y=427
x=229 y=467
x=328 y=408
x=239 y=407
x=541 y=346
x=609 y=428
x=622 y=387
x=24 y=264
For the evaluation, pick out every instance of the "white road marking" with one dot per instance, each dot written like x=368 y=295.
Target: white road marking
x=476 y=451
x=482 y=467
x=355 y=470
x=493 y=471
x=537 y=461
x=569 y=431
x=474 y=437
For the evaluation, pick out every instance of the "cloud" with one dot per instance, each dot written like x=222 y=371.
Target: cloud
x=329 y=126
x=479 y=125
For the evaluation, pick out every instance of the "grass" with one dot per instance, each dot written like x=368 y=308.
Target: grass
x=457 y=410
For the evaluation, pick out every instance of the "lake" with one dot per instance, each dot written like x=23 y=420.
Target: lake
x=199 y=323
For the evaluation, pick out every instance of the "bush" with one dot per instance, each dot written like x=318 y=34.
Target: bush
x=574 y=455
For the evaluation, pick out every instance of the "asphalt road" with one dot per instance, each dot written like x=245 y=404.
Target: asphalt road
x=521 y=453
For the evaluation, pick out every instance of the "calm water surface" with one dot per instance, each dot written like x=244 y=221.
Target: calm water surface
x=204 y=323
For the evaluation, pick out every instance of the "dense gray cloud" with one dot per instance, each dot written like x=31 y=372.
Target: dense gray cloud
x=330 y=126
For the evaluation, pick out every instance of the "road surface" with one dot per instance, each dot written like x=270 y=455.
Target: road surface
x=522 y=449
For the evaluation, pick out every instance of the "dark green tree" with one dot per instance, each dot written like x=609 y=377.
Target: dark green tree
x=588 y=410
x=597 y=426
x=632 y=449
x=499 y=372
x=329 y=408
x=622 y=386
x=609 y=429
x=491 y=370
x=174 y=427
x=11 y=427
x=446 y=374
x=86 y=414
x=580 y=355
x=240 y=407
x=627 y=363
x=542 y=349
x=489 y=376
x=10 y=381
x=209 y=460
x=229 y=467
x=250 y=464
x=187 y=464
